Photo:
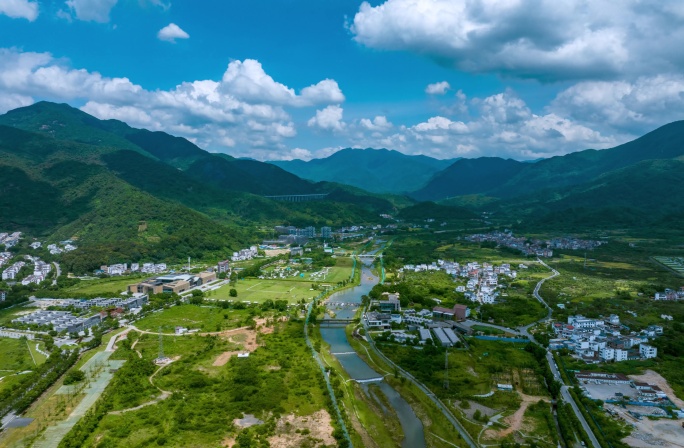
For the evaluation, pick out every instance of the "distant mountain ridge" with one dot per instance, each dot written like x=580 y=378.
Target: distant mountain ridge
x=67 y=174
x=502 y=178
x=375 y=170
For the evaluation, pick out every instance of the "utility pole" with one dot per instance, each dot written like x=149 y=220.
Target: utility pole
x=446 y=368
x=161 y=345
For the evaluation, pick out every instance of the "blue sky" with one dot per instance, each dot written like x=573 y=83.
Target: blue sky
x=437 y=77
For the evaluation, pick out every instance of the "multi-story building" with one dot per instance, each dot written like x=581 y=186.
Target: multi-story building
x=648 y=351
x=223 y=266
x=326 y=232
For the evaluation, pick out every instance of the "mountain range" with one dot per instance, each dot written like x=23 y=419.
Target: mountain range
x=375 y=170
x=636 y=183
x=129 y=193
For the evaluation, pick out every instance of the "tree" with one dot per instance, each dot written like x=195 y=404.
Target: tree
x=74 y=376
x=232 y=292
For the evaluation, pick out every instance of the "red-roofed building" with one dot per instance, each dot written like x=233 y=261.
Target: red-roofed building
x=458 y=312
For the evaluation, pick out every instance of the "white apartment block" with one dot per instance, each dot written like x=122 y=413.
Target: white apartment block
x=648 y=351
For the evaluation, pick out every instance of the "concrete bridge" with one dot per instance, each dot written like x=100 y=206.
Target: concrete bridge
x=298 y=197
x=337 y=321
x=370 y=380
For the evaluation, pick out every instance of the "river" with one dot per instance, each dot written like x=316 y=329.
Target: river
x=358 y=369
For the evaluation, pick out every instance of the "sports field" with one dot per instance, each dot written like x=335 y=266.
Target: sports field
x=258 y=290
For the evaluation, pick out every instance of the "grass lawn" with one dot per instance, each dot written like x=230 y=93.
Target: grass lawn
x=257 y=290
x=204 y=318
x=15 y=356
x=105 y=285
x=279 y=378
x=7 y=314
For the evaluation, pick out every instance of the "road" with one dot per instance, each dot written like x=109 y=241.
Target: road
x=58 y=272
x=441 y=406
x=565 y=393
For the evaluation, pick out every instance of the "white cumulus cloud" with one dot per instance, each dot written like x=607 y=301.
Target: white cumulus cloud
x=329 y=119
x=438 y=88
x=171 y=32
x=19 y=9
x=204 y=111
x=91 y=10
x=248 y=81
x=379 y=123
x=544 y=39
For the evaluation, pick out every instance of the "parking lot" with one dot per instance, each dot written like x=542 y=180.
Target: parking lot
x=607 y=391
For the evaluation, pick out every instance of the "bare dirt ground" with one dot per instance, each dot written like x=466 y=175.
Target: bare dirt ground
x=266 y=326
x=516 y=420
x=318 y=425
x=224 y=357
x=652 y=377
x=243 y=336
x=275 y=252
x=650 y=433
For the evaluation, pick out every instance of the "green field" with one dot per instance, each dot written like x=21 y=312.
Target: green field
x=16 y=357
x=203 y=318
x=7 y=314
x=258 y=290
x=674 y=263
x=279 y=378
x=111 y=285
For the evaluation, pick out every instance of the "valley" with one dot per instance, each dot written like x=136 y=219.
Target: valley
x=232 y=317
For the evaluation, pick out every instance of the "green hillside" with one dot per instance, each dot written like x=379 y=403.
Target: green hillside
x=495 y=177
x=641 y=195
x=430 y=210
x=469 y=176
x=128 y=194
x=376 y=170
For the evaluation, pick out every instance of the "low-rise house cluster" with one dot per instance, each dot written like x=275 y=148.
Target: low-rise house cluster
x=670 y=294
x=40 y=271
x=12 y=271
x=482 y=280
x=245 y=254
x=5 y=257
x=126 y=303
x=150 y=268
x=67 y=246
x=35 y=245
x=534 y=247
x=59 y=321
x=601 y=340
x=441 y=321
x=10 y=239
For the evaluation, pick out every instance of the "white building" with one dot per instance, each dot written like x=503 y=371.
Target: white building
x=648 y=351
x=583 y=322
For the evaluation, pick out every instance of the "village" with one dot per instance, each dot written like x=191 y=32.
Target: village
x=602 y=340
x=534 y=247
x=482 y=280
